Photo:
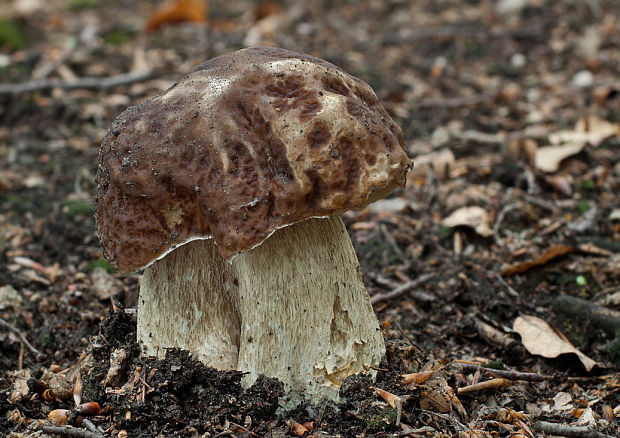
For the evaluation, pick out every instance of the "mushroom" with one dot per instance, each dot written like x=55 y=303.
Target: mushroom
x=227 y=189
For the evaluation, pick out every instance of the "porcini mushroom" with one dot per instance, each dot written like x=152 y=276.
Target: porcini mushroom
x=227 y=188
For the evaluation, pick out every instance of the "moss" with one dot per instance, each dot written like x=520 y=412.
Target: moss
x=378 y=253
x=583 y=206
x=444 y=232
x=382 y=422
x=496 y=365
x=11 y=35
x=117 y=37
x=79 y=5
x=100 y=263
x=585 y=185
x=74 y=208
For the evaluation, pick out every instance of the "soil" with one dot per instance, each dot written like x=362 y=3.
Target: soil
x=477 y=80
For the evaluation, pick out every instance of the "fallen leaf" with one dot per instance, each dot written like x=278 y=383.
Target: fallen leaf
x=387 y=396
x=586 y=418
x=562 y=402
x=441 y=162
x=390 y=205
x=178 y=11
x=9 y=298
x=416 y=378
x=588 y=130
x=548 y=158
x=104 y=284
x=20 y=386
x=473 y=217
x=553 y=252
x=541 y=339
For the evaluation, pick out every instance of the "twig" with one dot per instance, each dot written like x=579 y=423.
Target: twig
x=569 y=431
x=575 y=309
x=507 y=374
x=509 y=288
x=102 y=83
x=70 y=432
x=410 y=431
x=244 y=428
x=502 y=214
x=496 y=337
x=541 y=203
x=226 y=432
x=455 y=102
x=89 y=425
x=401 y=290
x=20 y=357
x=448 y=418
x=22 y=338
x=487 y=384
x=461 y=31
x=390 y=240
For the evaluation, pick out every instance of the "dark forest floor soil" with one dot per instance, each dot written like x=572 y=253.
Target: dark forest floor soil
x=479 y=89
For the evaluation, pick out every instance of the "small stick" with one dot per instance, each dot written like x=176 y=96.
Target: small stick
x=89 y=425
x=22 y=338
x=102 y=83
x=575 y=309
x=507 y=374
x=410 y=431
x=20 y=357
x=390 y=240
x=495 y=337
x=489 y=384
x=401 y=290
x=455 y=102
x=244 y=428
x=72 y=432
x=509 y=288
x=568 y=431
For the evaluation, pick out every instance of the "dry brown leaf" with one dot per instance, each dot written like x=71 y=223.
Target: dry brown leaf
x=441 y=162
x=541 y=339
x=473 y=217
x=178 y=11
x=387 y=396
x=553 y=252
x=548 y=158
x=20 y=386
x=416 y=378
x=104 y=284
x=588 y=130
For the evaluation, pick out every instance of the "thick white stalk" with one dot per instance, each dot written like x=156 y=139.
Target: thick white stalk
x=294 y=308
x=189 y=300
x=306 y=315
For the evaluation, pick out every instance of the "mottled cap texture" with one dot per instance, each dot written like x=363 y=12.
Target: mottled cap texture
x=241 y=146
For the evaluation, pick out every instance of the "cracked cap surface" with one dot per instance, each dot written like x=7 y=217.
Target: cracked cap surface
x=244 y=144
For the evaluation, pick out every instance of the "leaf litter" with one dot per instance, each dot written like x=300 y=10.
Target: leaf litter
x=479 y=92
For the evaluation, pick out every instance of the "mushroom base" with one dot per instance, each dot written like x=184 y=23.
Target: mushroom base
x=293 y=308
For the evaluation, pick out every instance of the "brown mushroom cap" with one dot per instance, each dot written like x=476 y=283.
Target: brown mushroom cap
x=241 y=146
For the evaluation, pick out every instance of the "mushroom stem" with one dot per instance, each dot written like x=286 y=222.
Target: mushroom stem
x=306 y=315
x=293 y=308
x=188 y=300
